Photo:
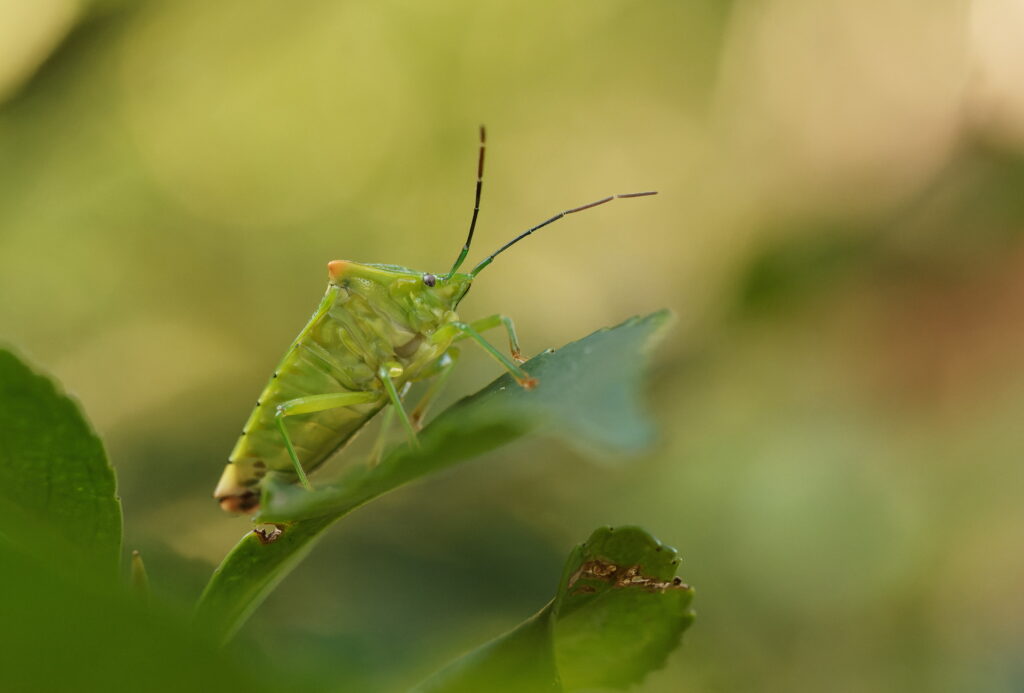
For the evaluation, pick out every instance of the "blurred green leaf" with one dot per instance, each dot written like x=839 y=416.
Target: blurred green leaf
x=520 y=661
x=807 y=262
x=66 y=631
x=31 y=33
x=56 y=486
x=618 y=613
x=588 y=395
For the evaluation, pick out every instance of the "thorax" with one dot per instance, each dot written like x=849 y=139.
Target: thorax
x=373 y=332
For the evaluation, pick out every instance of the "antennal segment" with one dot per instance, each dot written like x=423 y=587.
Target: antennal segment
x=490 y=258
x=476 y=203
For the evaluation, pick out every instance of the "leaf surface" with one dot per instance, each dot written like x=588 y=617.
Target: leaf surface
x=57 y=489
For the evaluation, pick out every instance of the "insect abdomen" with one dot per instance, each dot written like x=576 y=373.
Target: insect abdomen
x=341 y=350
x=324 y=359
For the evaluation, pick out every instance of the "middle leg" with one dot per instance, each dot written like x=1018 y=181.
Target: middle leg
x=308 y=405
x=385 y=374
x=446 y=365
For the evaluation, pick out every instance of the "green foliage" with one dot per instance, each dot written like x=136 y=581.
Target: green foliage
x=250 y=572
x=65 y=632
x=618 y=612
x=65 y=622
x=588 y=395
x=54 y=475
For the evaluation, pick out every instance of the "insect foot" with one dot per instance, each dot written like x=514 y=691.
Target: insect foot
x=528 y=383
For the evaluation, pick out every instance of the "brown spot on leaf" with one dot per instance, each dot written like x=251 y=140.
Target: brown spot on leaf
x=620 y=576
x=268 y=536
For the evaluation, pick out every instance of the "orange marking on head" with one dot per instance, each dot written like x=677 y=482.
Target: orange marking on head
x=335 y=268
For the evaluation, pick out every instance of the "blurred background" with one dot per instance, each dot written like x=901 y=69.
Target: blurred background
x=839 y=232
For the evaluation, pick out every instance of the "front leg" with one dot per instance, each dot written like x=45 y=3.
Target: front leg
x=445 y=366
x=496 y=320
x=461 y=330
x=377 y=452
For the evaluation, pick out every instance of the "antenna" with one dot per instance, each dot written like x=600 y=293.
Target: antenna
x=490 y=258
x=476 y=203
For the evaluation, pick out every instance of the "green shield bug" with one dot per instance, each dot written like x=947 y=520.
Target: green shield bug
x=378 y=329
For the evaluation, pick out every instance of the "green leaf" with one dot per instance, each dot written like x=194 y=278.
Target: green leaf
x=589 y=395
x=618 y=613
x=620 y=609
x=71 y=631
x=520 y=661
x=57 y=489
x=250 y=572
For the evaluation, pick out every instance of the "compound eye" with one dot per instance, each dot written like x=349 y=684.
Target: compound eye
x=429 y=279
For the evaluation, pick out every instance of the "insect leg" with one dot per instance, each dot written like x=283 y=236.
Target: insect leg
x=377 y=452
x=396 y=400
x=466 y=330
x=314 y=403
x=447 y=364
x=496 y=320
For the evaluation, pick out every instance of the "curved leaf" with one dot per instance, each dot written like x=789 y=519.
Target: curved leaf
x=250 y=572
x=520 y=661
x=589 y=395
x=56 y=485
x=71 y=631
x=620 y=609
x=618 y=613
